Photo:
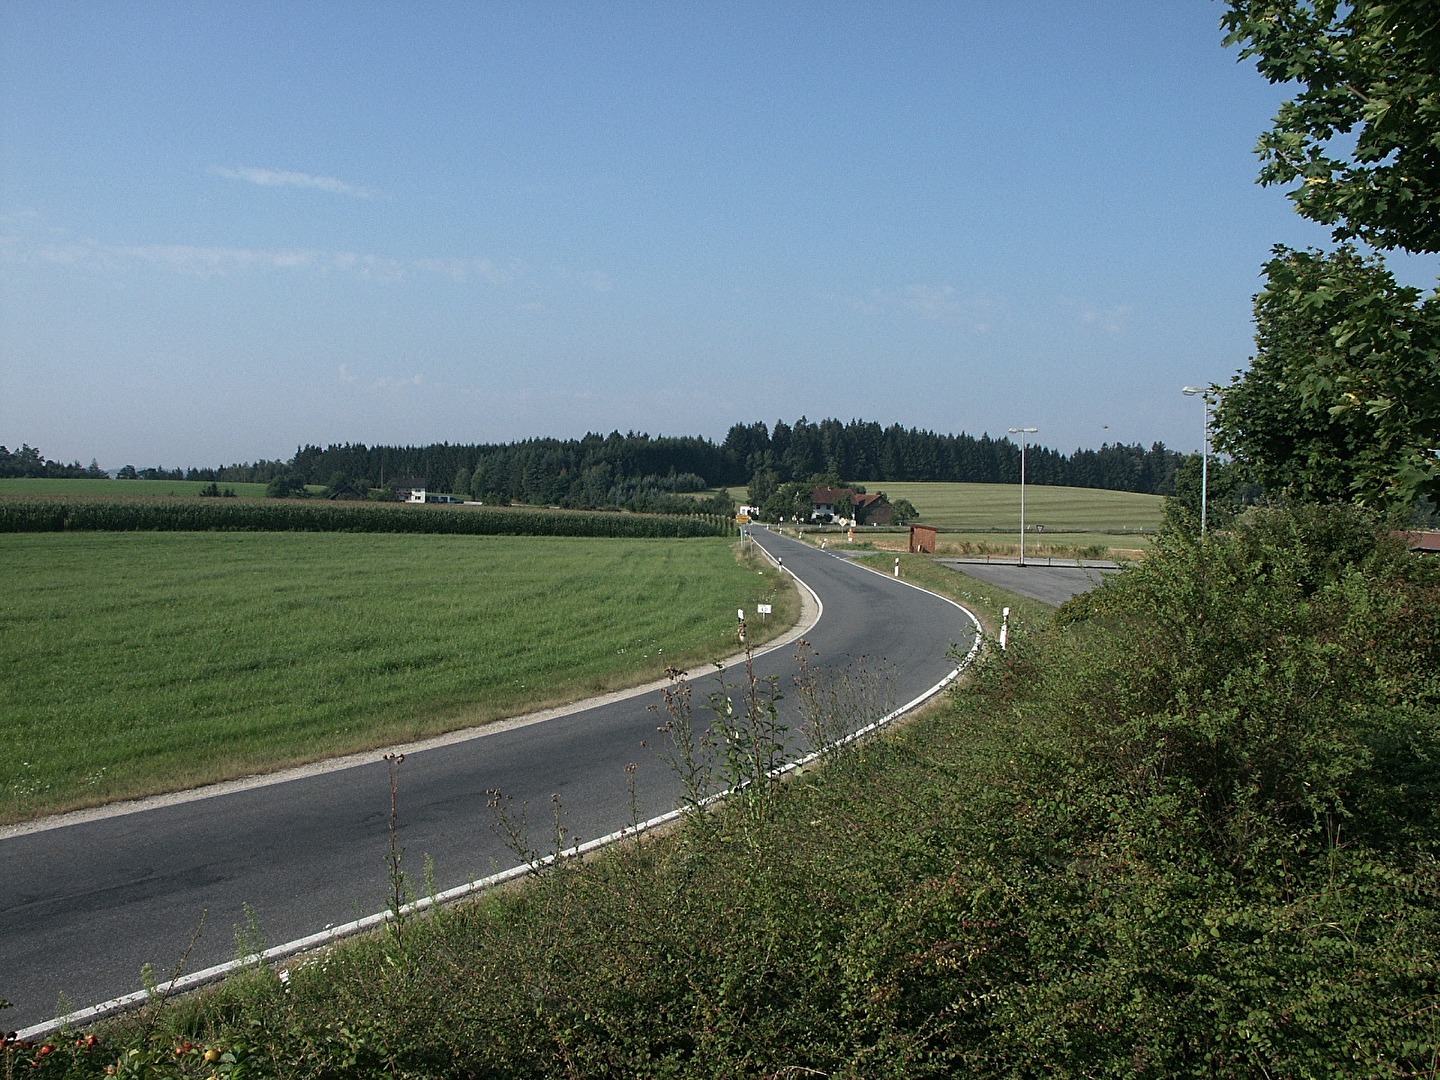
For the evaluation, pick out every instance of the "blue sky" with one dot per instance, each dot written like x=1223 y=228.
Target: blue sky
x=227 y=229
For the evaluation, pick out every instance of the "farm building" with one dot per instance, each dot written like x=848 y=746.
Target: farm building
x=420 y=495
x=872 y=510
x=826 y=502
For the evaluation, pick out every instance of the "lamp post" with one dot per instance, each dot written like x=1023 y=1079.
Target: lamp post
x=1022 y=432
x=1204 y=392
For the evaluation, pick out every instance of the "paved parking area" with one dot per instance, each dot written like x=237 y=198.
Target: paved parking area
x=1049 y=584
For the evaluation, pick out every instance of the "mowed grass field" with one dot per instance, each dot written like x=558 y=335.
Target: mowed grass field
x=984 y=507
x=997 y=506
x=984 y=519
x=32 y=485
x=135 y=663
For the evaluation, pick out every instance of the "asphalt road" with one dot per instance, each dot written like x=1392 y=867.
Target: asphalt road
x=84 y=906
x=1049 y=584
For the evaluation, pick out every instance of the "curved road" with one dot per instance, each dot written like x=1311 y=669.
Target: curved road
x=85 y=904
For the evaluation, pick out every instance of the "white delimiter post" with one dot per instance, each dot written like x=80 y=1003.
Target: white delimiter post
x=1022 y=432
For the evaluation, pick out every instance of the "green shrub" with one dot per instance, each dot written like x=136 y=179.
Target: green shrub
x=1221 y=828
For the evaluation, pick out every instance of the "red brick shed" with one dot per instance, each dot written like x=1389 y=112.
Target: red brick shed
x=922 y=539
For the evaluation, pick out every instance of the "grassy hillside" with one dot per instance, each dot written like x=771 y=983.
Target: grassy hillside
x=981 y=507
x=141 y=662
x=997 y=506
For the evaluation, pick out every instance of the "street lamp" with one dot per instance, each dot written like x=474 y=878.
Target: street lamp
x=1022 y=432
x=1204 y=392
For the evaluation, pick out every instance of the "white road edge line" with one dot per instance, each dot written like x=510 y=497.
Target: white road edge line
x=332 y=934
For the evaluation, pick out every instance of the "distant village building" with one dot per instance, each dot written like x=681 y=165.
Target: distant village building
x=872 y=510
x=825 y=502
x=347 y=490
x=420 y=495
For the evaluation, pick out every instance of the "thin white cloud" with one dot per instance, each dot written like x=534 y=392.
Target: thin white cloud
x=221 y=261
x=872 y=305
x=1114 y=320
x=347 y=377
x=932 y=301
x=207 y=261
x=463 y=271
x=391 y=382
x=283 y=178
x=945 y=303
x=591 y=280
x=935 y=303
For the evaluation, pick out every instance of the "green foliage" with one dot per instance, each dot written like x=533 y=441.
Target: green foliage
x=1342 y=399
x=791 y=501
x=285 y=486
x=832 y=450
x=763 y=485
x=1236 y=790
x=903 y=512
x=1225 y=494
x=1362 y=138
x=171 y=515
x=1243 y=691
x=28 y=461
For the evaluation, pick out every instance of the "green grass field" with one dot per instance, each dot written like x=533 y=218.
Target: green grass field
x=997 y=506
x=143 y=662
x=984 y=507
x=984 y=519
x=26 y=485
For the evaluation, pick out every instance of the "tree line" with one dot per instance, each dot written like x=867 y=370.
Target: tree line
x=665 y=474
x=864 y=451
x=27 y=461
x=613 y=469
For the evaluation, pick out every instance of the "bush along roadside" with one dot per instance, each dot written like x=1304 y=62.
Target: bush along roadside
x=201 y=515
x=1191 y=829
